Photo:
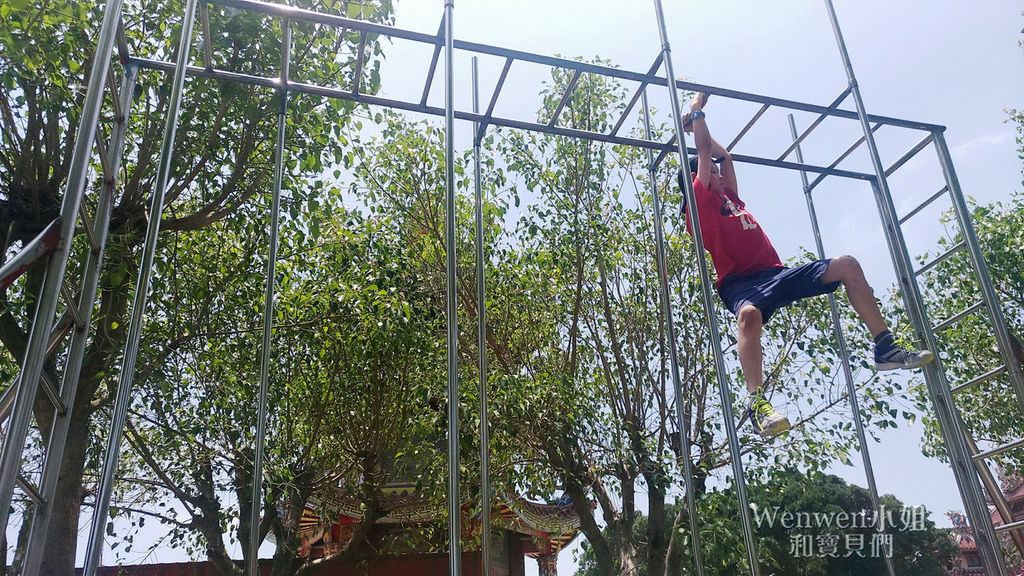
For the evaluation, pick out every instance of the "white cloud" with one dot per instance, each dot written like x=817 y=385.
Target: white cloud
x=972 y=146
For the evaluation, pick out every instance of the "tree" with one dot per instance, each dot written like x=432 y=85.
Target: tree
x=354 y=349
x=811 y=524
x=221 y=165
x=990 y=410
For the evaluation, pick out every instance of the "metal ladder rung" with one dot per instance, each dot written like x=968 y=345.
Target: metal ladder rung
x=998 y=450
x=956 y=317
x=72 y=307
x=979 y=379
x=357 y=76
x=7 y=401
x=31 y=491
x=87 y=226
x=939 y=260
x=924 y=204
x=433 y=62
x=59 y=332
x=104 y=163
x=749 y=125
x=1010 y=526
x=565 y=97
x=115 y=102
x=50 y=389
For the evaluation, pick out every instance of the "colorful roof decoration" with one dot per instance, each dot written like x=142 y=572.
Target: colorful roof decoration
x=550 y=526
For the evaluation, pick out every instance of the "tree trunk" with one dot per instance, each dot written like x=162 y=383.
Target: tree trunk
x=657 y=540
x=1018 y=349
x=62 y=536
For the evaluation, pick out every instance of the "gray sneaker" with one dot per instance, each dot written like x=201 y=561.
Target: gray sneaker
x=897 y=358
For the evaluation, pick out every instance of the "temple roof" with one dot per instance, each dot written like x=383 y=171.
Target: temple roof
x=551 y=526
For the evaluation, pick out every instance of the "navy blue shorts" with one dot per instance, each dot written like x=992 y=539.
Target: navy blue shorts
x=774 y=288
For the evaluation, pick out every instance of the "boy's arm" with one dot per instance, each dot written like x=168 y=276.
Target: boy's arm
x=702 y=139
x=708 y=148
x=725 y=166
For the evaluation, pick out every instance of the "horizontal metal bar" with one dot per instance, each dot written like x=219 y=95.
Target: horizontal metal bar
x=475 y=117
x=805 y=167
x=998 y=450
x=358 y=75
x=1011 y=526
x=684 y=85
x=910 y=154
x=30 y=491
x=924 y=204
x=301 y=14
x=842 y=157
x=979 y=379
x=565 y=97
x=957 y=317
x=941 y=258
x=636 y=96
x=42 y=245
x=764 y=108
x=371 y=27
x=821 y=118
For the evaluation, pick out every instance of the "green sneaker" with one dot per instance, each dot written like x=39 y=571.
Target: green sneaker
x=765 y=420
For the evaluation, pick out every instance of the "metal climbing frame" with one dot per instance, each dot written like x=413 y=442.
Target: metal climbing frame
x=969 y=466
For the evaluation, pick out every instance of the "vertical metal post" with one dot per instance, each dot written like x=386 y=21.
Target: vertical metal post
x=123 y=399
x=481 y=337
x=977 y=258
x=682 y=403
x=252 y=560
x=709 y=306
x=46 y=307
x=938 y=389
x=454 y=508
x=851 y=389
x=35 y=549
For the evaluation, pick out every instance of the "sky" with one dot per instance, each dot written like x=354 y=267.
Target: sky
x=945 y=62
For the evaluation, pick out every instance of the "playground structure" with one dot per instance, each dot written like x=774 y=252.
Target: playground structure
x=49 y=331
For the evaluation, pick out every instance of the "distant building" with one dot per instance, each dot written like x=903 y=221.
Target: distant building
x=968 y=561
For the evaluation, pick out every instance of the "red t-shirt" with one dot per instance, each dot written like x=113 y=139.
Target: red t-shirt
x=736 y=242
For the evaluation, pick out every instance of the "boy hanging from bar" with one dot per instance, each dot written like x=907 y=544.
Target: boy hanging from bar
x=752 y=281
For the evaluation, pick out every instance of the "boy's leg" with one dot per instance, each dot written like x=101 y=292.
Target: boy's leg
x=765 y=419
x=847 y=270
x=749 y=346
x=888 y=356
